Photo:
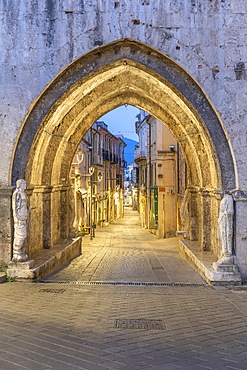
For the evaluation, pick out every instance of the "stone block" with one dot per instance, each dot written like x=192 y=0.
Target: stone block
x=239 y=6
x=2 y=277
x=226 y=265
x=205 y=264
x=26 y=265
x=44 y=262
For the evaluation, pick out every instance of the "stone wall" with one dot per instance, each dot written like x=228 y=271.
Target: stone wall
x=40 y=38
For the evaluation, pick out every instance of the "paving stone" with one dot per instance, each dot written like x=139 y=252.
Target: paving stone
x=72 y=326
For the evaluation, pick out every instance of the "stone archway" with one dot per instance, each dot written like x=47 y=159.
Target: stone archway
x=124 y=71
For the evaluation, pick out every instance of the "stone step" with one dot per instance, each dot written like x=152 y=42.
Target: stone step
x=2 y=277
x=204 y=262
x=45 y=261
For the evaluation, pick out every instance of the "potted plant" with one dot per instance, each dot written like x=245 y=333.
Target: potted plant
x=82 y=230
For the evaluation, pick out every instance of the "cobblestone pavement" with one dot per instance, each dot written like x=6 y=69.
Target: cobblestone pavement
x=76 y=323
x=125 y=252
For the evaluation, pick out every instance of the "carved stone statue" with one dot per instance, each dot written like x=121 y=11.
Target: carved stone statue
x=225 y=225
x=20 y=214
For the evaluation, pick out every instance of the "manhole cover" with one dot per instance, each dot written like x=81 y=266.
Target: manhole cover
x=52 y=290
x=140 y=324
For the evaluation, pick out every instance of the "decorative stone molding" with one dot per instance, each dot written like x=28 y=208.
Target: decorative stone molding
x=239 y=195
x=6 y=191
x=204 y=263
x=226 y=265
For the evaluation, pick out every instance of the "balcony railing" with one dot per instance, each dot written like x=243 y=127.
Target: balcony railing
x=139 y=154
x=113 y=158
x=105 y=155
x=97 y=159
x=122 y=163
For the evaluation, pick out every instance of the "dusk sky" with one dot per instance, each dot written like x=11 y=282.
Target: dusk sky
x=122 y=121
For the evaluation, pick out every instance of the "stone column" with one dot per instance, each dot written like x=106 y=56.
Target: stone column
x=60 y=212
x=215 y=204
x=194 y=214
x=205 y=228
x=64 y=211
x=46 y=200
x=40 y=218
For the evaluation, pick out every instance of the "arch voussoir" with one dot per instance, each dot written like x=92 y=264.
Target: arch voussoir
x=122 y=72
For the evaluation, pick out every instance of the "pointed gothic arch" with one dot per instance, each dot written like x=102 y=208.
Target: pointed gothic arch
x=125 y=71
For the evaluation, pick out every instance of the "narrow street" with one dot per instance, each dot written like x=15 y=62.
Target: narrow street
x=125 y=252
x=129 y=302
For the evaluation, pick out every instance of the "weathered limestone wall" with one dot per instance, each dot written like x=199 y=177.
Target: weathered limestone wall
x=39 y=38
x=241 y=234
x=6 y=224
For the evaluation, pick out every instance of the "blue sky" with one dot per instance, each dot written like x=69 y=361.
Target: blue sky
x=122 y=121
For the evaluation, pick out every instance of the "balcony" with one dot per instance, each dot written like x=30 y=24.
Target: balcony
x=105 y=155
x=122 y=163
x=97 y=160
x=139 y=155
x=113 y=158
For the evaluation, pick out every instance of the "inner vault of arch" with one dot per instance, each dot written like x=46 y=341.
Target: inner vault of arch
x=123 y=82
x=116 y=76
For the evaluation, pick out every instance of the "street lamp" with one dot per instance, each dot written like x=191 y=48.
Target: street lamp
x=79 y=156
x=91 y=182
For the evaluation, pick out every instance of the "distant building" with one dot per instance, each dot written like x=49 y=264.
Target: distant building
x=161 y=177
x=98 y=179
x=131 y=185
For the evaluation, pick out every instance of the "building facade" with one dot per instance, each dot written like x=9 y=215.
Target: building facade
x=97 y=179
x=162 y=177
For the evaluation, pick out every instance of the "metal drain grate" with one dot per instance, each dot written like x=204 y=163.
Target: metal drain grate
x=123 y=283
x=143 y=324
x=52 y=290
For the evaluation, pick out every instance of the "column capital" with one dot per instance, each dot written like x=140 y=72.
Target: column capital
x=41 y=189
x=6 y=191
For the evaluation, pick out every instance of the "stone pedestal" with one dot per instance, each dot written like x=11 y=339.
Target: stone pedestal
x=227 y=270
x=223 y=272
x=2 y=277
x=45 y=261
x=181 y=234
x=226 y=264
x=20 y=270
